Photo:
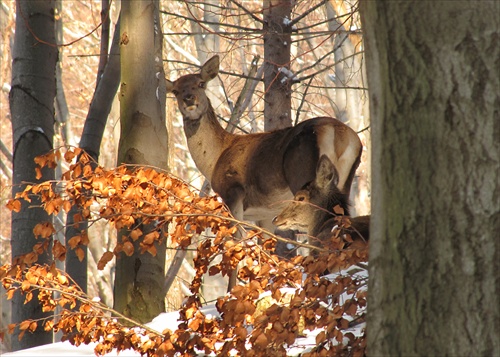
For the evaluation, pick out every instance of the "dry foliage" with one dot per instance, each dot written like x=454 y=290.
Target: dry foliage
x=274 y=303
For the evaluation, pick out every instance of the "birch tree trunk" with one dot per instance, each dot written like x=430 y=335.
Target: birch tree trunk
x=139 y=282
x=32 y=109
x=433 y=71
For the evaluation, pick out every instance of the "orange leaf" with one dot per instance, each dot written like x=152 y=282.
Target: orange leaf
x=128 y=248
x=44 y=230
x=261 y=341
x=59 y=251
x=105 y=259
x=30 y=258
x=38 y=173
x=135 y=234
x=14 y=205
x=11 y=328
x=25 y=325
x=49 y=325
x=150 y=237
x=29 y=297
x=74 y=241
x=338 y=210
x=80 y=253
x=21 y=334
x=66 y=206
x=320 y=337
x=152 y=250
x=25 y=286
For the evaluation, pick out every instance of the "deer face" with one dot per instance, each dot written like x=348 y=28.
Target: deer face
x=313 y=205
x=299 y=214
x=190 y=90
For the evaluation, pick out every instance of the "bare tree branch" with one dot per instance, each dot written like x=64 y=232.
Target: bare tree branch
x=103 y=55
x=248 y=12
x=312 y=9
x=5 y=150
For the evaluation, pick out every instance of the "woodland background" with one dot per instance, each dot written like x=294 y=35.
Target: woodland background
x=434 y=80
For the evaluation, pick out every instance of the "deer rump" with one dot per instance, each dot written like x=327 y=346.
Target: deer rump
x=259 y=172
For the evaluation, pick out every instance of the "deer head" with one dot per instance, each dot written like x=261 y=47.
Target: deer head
x=313 y=205
x=190 y=90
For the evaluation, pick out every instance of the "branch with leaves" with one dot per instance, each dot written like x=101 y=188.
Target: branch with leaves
x=273 y=306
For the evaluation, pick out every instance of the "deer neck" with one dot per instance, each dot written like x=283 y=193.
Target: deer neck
x=206 y=140
x=323 y=221
x=325 y=218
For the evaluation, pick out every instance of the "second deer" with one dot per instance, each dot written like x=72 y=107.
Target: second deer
x=312 y=208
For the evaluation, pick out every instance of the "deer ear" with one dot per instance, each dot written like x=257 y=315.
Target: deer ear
x=210 y=69
x=326 y=173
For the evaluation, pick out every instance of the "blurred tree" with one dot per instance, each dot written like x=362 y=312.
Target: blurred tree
x=32 y=109
x=433 y=71
x=139 y=290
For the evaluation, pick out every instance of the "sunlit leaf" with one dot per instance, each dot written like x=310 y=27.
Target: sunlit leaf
x=105 y=259
x=14 y=205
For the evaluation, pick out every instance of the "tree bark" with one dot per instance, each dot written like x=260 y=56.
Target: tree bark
x=277 y=80
x=32 y=108
x=278 y=85
x=433 y=71
x=139 y=282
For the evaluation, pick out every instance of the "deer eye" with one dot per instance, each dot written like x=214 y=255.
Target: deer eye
x=201 y=85
x=174 y=92
x=300 y=198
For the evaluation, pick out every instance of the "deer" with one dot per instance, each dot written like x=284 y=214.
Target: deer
x=313 y=209
x=255 y=174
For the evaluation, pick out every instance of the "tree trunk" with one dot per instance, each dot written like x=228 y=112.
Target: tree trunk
x=32 y=108
x=278 y=84
x=139 y=282
x=433 y=70
x=277 y=80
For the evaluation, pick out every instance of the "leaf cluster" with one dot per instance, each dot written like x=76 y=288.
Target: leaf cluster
x=275 y=303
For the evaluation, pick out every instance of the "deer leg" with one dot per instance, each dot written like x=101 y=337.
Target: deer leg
x=236 y=208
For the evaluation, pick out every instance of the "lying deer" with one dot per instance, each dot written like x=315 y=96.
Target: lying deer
x=256 y=173
x=312 y=208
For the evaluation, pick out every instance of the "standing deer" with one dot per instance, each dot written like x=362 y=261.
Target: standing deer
x=256 y=173
x=312 y=208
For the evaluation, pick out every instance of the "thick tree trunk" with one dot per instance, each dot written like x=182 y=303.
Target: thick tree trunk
x=32 y=108
x=433 y=70
x=139 y=282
